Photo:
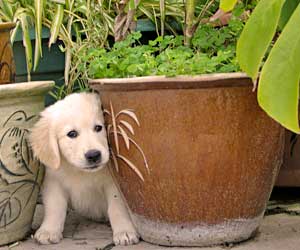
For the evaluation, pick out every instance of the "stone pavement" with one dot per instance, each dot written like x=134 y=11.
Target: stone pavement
x=280 y=231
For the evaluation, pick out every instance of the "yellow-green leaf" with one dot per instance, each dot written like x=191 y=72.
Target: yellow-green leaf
x=59 y=1
x=7 y=10
x=38 y=4
x=257 y=35
x=56 y=23
x=227 y=5
x=26 y=43
x=286 y=12
x=4 y=17
x=278 y=89
x=14 y=32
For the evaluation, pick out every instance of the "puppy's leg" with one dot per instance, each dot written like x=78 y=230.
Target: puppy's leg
x=124 y=232
x=55 y=208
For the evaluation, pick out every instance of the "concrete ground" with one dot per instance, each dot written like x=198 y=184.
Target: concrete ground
x=280 y=230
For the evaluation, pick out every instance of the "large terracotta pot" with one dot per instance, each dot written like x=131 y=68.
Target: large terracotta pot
x=289 y=175
x=213 y=156
x=20 y=174
x=7 y=64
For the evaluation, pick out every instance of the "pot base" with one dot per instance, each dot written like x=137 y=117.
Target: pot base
x=193 y=234
x=14 y=235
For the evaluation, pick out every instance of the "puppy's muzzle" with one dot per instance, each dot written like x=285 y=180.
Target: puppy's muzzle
x=93 y=156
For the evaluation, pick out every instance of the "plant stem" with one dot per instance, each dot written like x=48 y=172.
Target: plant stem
x=189 y=21
x=200 y=18
x=162 y=17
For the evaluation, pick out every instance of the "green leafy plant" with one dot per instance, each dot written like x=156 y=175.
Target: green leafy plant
x=278 y=87
x=73 y=21
x=59 y=92
x=212 y=50
x=61 y=17
x=209 y=48
x=161 y=13
x=110 y=20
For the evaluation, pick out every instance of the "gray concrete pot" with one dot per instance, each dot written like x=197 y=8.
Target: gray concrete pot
x=20 y=174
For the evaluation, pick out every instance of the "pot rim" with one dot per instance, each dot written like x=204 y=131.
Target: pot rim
x=22 y=89
x=7 y=26
x=237 y=79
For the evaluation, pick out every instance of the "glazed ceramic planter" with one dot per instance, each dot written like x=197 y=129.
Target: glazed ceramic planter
x=212 y=153
x=20 y=174
x=289 y=175
x=7 y=64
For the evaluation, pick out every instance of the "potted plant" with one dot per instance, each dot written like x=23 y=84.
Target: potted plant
x=42 y=39
x=20 y=174
x=189 y=152
x=40 y=24
x=33 y=21
x=7 y=68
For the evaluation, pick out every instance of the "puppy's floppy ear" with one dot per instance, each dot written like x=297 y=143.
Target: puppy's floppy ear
x=44 y=143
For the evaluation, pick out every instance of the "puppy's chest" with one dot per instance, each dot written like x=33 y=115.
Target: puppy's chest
x=88 y=199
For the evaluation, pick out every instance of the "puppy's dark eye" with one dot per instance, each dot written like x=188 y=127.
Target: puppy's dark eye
x=98 y=128
x=72 y=134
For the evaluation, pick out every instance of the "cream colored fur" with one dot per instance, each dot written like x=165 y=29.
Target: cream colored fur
x=68 y=179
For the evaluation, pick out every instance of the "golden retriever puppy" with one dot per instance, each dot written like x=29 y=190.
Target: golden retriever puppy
x=70 y=140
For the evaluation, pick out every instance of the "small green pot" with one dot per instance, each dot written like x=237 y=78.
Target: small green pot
x=20 y=174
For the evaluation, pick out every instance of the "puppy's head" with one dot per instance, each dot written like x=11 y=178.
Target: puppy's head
x=73 y=129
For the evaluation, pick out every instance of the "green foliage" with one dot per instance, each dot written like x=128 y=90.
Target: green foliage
x=286 y=12
x=71 y=21
x=227 y=5
x=278 y=91
x=278 y=88
x=59 y=92
x=33 y=14
x=261 y=26
x=213 y=50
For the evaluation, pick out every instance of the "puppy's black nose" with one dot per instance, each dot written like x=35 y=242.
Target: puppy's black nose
x=93 y=156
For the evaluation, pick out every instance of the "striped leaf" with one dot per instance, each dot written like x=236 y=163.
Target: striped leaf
x=38 y=5
x=56 y=23
x=7 y=11
x=14 y=32
x=26 y=43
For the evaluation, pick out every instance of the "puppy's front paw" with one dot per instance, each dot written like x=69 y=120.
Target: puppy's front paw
x=125 y=238
x=46 y=237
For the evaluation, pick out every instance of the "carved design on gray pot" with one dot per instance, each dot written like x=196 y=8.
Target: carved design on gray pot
x=16 y=173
